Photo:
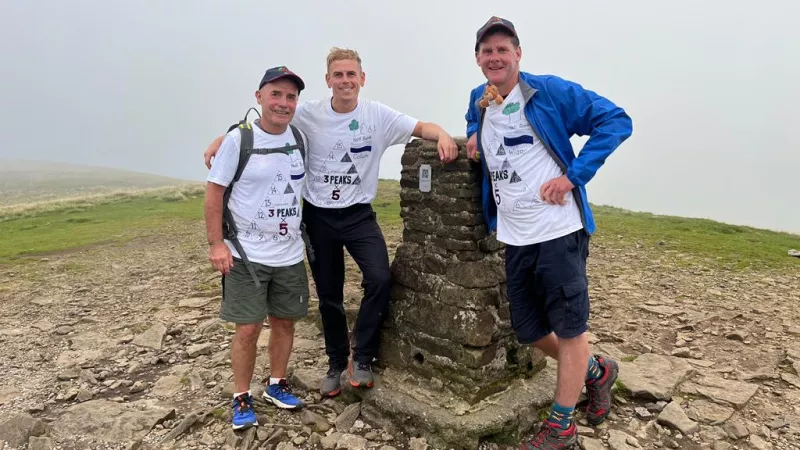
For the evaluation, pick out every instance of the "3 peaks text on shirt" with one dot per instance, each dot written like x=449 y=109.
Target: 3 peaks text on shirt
x=282 y=212
x=498 y=175
x=338 y=179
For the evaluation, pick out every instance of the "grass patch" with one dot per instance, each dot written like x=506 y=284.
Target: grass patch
x=120 y=216
x=718 y=244
x=544 y=414
x=387 y=204
x=629 y=358
x=117 y=221
x=622 y=390
x=219 y=413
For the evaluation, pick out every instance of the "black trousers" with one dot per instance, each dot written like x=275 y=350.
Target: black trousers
x=355 y=228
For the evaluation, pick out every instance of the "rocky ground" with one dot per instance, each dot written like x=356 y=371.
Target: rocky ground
x=119 y=346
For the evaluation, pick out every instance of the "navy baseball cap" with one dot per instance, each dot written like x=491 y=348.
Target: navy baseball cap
x=492 y=23
x=276 y=73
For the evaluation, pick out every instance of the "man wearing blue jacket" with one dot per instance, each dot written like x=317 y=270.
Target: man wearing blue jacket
x=534 y=196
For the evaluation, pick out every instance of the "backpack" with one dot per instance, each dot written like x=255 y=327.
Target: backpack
x=246 y=150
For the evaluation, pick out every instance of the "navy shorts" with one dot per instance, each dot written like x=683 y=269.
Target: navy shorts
x=547 y=287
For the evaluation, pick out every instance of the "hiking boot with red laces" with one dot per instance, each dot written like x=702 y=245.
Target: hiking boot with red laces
x=599 y=392
x=551 y=437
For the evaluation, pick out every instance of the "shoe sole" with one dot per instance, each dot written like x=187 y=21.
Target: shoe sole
x=331 y=394
x=356 y=384
x=360 y=385
x=602 y=419
x=280 y=404
x=243 y=426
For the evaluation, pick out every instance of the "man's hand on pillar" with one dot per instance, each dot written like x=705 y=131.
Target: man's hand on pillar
x=448 y=150
x=472 y=147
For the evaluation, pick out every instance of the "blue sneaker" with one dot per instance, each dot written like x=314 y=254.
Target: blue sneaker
x=281 y=395
x=243 y=414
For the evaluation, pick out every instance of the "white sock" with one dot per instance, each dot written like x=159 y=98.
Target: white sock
x=274 y=380
x=241 y=393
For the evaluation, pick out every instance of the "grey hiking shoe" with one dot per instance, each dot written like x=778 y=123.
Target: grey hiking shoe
x=361 y=375
x=331 y=384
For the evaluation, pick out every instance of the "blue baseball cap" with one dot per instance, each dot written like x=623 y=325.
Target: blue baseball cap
x=492 y=23
x=276 y=73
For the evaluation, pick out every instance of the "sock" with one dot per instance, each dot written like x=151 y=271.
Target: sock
x=594 y=372
x=561 y=415
x=236 y=394
x=274 y=380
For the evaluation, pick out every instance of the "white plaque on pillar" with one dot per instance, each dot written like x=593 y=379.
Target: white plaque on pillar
x=425 y=178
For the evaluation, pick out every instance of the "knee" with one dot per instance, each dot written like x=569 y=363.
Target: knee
x=247 y=333
x=380 y=279
x=281 y=326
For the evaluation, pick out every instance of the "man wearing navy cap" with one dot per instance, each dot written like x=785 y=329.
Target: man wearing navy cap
x=534 y=196
x=349 y=136
x=264 y=206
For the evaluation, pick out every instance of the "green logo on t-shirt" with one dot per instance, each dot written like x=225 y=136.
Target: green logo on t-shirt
x=511 y=108
x=354 y=125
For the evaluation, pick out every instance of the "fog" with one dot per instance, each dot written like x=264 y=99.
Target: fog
x=712 y=86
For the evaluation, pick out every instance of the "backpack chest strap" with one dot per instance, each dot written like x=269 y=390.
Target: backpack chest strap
x=268 y=151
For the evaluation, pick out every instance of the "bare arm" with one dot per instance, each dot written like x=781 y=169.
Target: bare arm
x=212 y=150
x=218 y=252
x=448 y=150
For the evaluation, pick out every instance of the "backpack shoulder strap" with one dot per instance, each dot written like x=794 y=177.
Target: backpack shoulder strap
x=245 y=148
x=298 y=138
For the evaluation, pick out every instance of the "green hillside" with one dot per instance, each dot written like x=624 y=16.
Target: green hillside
x=61 y=226
x=38 y=181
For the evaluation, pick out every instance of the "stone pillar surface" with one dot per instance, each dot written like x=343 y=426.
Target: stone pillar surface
x=449 y=320
x=452 y=369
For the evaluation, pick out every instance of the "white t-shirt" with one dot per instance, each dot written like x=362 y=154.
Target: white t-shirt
x=266 y=201
x=346 y=149
x=519 y=165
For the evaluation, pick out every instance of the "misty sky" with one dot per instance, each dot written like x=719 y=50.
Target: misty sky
x=712 y=86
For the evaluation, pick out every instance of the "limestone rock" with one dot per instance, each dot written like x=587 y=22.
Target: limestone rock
x=199 y=349
x=736 y=429
x=674 y=417
x=329 y=442
x=758 y=443
x=719 y=390
x=40 y=443
x=8 y=394
x=309 y=417
x=308 y=378
x=619 y=440
x=109 y=421
x=153 y=337
x=591 y=444
x=351 y=442
x=418 y=444
x=16 y=429
x=654 y=377
x=347 y=418
x=709 y=413
x=167 y=386
x=792 y=379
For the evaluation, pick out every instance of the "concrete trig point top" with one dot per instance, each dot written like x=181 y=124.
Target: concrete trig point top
x=448 y=341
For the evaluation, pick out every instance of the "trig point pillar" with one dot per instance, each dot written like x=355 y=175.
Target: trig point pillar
x=454 y=372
